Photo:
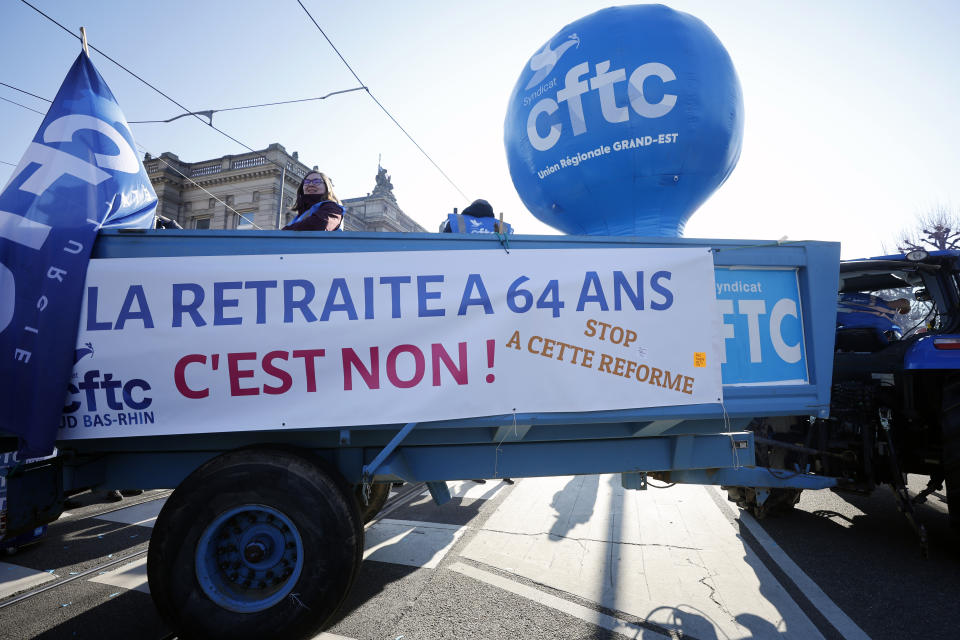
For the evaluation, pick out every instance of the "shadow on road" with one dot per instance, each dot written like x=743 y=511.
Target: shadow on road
x=574 y=503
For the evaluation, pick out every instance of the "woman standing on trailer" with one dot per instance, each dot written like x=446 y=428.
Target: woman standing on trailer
x=317 y=207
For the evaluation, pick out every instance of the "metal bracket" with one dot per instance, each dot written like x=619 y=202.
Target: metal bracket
x=370 y=469
x=439 y=491
x=762 y=494
x=636 y=480
x=501 y=232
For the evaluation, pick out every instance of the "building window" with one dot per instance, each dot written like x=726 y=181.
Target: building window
x=212 y=203
x=202 y=223
x=245 y=220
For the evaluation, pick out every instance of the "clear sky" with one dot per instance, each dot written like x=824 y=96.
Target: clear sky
x=852 y=108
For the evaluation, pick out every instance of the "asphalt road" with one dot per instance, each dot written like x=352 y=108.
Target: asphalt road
x=546 y=559
x=865 y=556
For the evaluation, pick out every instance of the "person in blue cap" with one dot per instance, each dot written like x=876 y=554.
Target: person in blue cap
x=477 y=218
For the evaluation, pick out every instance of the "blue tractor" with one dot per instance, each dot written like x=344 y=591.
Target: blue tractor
x=895 y=397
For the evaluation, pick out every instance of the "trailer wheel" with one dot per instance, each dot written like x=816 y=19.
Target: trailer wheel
x=378 y=497
x=256 y=543
x=950 y=426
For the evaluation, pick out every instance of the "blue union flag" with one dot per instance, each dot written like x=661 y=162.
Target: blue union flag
x=81 y=173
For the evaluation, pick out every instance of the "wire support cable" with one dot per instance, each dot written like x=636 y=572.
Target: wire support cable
x=209 y=113
x=378 y=103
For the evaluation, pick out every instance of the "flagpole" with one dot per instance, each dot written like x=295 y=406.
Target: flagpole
x=83 y=37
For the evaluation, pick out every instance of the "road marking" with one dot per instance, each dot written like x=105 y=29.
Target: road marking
x=418 y=523
x=415 y=544
x=834 y=615
x=14 y=578
x=143 y=515
x=129 y=576
x=565 y=606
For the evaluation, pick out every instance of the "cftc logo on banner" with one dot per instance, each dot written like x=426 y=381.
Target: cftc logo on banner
x=79 y=174
x=762 y=326
x=99 y=397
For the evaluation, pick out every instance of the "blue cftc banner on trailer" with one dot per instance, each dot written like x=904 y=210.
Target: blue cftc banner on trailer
x=762 y=328
x=80 y=174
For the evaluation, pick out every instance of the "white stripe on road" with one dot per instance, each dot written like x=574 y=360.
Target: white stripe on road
x=834 y=615
x=565 y=606
x=14 y=578
x=129 y=576
x=143 y=515
x=416 y=544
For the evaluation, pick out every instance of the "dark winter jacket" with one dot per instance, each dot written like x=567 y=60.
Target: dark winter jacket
x=315 y=218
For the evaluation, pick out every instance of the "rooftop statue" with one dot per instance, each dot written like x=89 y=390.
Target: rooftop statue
x=384 y=186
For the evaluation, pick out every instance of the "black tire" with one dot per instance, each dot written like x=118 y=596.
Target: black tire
x=950 y=426
x=304 y=492
x=378 y=497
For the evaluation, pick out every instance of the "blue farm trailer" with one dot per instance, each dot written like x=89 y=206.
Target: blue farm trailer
x=207 y=377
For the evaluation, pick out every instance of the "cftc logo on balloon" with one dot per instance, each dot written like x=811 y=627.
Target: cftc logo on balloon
x=624 y=123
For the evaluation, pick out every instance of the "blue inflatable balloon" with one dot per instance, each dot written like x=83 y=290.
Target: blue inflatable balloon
x=624 y=123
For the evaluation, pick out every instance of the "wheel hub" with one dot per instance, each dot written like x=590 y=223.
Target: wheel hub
x=249 y=558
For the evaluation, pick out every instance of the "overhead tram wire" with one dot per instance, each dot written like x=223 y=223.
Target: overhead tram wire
x=25 y=92
x=22 y=105
x=195 y=114
x=372 y=97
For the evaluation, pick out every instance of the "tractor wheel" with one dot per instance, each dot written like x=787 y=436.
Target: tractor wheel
x=950 y=426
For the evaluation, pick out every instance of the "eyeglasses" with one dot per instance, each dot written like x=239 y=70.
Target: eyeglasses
x=317 y=181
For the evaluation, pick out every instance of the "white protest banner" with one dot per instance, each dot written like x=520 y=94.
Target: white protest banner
x=208 y=344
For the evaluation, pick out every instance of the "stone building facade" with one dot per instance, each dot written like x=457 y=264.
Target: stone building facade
x=243 y=192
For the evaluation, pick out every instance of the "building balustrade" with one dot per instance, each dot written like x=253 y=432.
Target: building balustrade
x=246 y=163
x=206 y=171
